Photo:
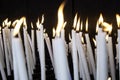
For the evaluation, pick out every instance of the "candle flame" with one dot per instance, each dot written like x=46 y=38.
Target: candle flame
x=64 y=24
x=118 y=20
x=31 y=25
x=60 y=19
x=82 y=40
x=0 y=29
x=42 y=21
x=75 y=21
x=107 y=27
x=109 y=78
x=81 y=25
x=17 y=27
x=107 y=37
x=100 y=19
x=6 y=23
x=53 y=32
x=78 y=25
x=97 y=27
x=15 y=22
x=25 y=23
x=94 y=42
x=38 y=23
x=87 y=24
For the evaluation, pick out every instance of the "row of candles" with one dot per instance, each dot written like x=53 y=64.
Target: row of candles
x=17 y=53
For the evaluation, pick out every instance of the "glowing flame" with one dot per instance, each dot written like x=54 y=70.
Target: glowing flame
x=60 y=19
x=82 y=40
x=53 y=32
x=106 y=37
x=118 y=19
x=6 y=23
x=25 y=23
x=97 y=27
x=100 y=19
x=75 y=21
x=64 y=25
x=78 y=25
x=81 y=25
x=42 y=21
x=31 y=25
x=70 y=37
x=17 y=27
x=107 y=27
x=0 y=29
x=87 y=24
x=94 y=41
x=15 y=22
x=109 y=78
x=38 y=24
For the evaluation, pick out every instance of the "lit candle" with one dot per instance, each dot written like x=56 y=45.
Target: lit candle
x=90 y=52
x=33 y=44
x=102 y=70
x=59 y=53
x=27 y=50
x=40 y=42
x=118 y=23
x=74 y=50
x=18 y=50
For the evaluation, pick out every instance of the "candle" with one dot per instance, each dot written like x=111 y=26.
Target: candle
x=18 y=50
x=118 y=23
x=33 y=44
x=27 y=52
x=82 y=55
x=90 y=52
x=59 y=53
x=74 y=51
x=40 y=42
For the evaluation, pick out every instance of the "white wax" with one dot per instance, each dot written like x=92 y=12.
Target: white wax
x=119 y=49
x=6 y=54
x=102 y=68
x=74 y=56
x=33 y=46
x=60 y=60
x=40 y=42
x=82 y=56
x=27 y=54
x=63 y=34
x=18 y=47
x=111 y=58
x=2 y=72
x=90 y=55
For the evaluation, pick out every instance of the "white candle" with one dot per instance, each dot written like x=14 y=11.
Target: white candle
x=27 y=54
x=20 y=59
x=40 y=42
x=74 y=56
x=60 y=60
x=2 y=72
x=82 y=55
x=33 y=44
x=111 y=58
x=119 y=49
x=102 y=72
x=6 y=53
x=90 y=55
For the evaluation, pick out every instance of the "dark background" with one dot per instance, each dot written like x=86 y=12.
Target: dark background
x=33 y=9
